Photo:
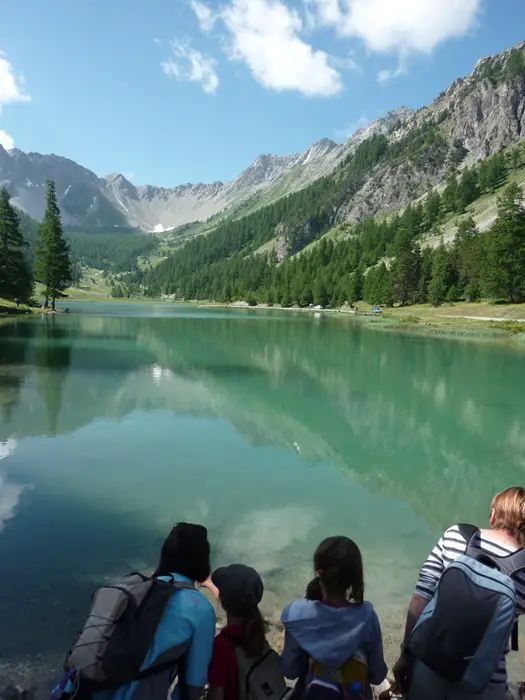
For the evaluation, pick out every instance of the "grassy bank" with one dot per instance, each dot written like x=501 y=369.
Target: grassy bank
x=10 y=308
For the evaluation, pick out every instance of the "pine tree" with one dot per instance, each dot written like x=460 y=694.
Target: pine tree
x=405 y=271
x=504 y=273
x=355 y=286
x=306 y=297
x=320 y=292
x=384 y=286
x=432 y=209
x=442 y=276
x=53 y=264
x=468 y=252
x=451 y=195
x=467 y=189
x=16 y=281
x=425 y=275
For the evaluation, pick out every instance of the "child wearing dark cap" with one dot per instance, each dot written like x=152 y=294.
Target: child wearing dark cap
x=239 y=589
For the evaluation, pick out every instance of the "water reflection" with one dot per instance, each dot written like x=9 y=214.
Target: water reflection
x=52 y=360
x=373 y=404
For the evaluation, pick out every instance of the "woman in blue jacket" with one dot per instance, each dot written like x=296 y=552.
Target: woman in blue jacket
x=333 y=643
x=187 y=628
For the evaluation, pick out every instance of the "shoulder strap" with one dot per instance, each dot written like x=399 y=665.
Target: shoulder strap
x=182 y=585
x=139 y=574
x=514 y=638
x=178 y=585
x=468 y=532
x=513 y=563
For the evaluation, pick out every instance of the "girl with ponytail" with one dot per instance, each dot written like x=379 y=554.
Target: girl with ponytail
x=333 y=643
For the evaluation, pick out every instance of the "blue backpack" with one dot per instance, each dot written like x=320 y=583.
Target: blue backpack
x=465 y=629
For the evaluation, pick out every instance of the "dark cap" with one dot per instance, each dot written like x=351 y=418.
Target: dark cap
x=240 y=588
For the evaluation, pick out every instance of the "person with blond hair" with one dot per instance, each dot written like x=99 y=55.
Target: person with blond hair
x=468 y=596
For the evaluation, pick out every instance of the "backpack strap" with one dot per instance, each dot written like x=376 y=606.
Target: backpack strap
x=182 y=585
x=514 y=638
x=469 y=534
x=513 y=563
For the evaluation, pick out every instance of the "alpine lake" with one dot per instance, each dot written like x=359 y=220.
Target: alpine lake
x=274 y=429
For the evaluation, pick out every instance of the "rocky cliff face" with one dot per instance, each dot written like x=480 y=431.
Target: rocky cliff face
x=484 y=113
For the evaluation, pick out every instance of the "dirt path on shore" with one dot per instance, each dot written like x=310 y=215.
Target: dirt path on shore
x=486 y=318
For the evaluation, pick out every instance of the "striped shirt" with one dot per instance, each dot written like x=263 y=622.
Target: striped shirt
x=449 y=548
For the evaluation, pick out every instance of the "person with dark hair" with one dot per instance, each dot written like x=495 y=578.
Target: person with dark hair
x=333 y=642
x=187 y=628
x=241 y=645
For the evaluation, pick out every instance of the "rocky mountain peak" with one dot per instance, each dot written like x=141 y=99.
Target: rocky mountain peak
x=484 y=111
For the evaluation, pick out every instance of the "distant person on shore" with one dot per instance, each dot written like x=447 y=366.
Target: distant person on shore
x=333 y=643
x=468 y=596
x=162 y=629
x=242 y=667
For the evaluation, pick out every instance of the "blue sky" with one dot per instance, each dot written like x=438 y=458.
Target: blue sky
x=176 y=91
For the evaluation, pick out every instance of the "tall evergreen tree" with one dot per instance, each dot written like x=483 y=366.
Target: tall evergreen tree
x=504 y=272
x=405 y=271
x=16 y=280
x=451 y=194
x=468 y=253
x=320 y=292
x=443 y=276
x=53 y=264
x=467 y=189
x=355 y=286
x=432 y=209
x=425 y=275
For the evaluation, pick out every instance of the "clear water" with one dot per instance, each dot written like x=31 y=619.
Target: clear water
x=273 y=429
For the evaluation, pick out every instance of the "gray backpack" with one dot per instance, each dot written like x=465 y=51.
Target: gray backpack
x=260 y=678
x=118 y=633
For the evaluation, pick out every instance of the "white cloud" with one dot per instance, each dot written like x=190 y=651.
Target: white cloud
x=397 y=26
x=204 y=15
x=129 y=174
x=328 y=12
x=264 y=34
x=188 y=64
x=6 y=141
x=11 y=86
x=268 y=35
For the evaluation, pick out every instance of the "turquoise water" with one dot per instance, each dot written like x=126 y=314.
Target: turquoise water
x=274 y=429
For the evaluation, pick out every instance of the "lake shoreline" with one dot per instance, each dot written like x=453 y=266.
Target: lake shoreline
x=461 y=320
x=421 y=320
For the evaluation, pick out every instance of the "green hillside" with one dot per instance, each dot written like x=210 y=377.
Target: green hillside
x=385 y=260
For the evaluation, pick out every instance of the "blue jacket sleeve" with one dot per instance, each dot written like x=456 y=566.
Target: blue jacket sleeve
x=198 y=656
x=294 y=660
x=377 y=668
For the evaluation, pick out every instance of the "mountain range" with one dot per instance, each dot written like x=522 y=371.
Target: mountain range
x=482 y=113
x=113 y=201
